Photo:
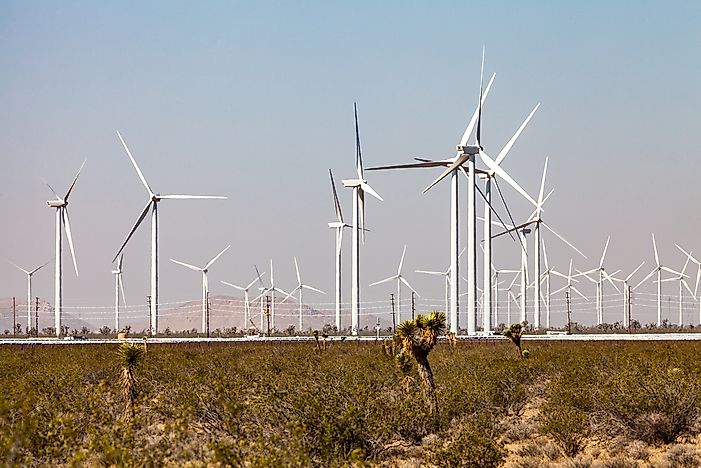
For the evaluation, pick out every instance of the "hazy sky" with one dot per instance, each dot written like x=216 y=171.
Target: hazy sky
x=253 y=100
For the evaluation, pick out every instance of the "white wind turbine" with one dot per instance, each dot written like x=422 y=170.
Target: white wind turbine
x=400 y=279
x=682 y=282
x=338 y=225
x=698 y=276
x=205 y=286
x=465 y=154
x=600 y=283
x=569 y=287
x=152 y=205
x=29 y=274
x=300 y=287
x=627 y=294
x=446 y=275
x=657 y=270
x=496 y=283
x=536 y=220
x=360 y=187
x=118 y=286
x=62 y=223
x=246 y=301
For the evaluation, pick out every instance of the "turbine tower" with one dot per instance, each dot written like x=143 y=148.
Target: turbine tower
x=446 y=275
x=360 y=187
x=400 y=279
x=300 y=287
x=682 y=282
x=338 y=225
x=272 y=289
x=29 y=274
x=246 y=301
x=152 y=205
x=205 y=286
x=118 y=286
x=62 y=223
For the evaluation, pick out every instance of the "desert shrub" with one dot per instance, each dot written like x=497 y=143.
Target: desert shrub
x=567 y=426
x=682 y=456
x=468 y=443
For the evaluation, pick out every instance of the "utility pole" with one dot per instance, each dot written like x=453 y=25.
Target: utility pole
x=14 y=317
x=630 y=312
x=267 y=312
x=148 y=302
x=569 y=316
x=207 y=310
x=394 y=317
x=36 y=317
x=413 y=305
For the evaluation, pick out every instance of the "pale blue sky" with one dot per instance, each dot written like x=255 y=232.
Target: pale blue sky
x=254 y=101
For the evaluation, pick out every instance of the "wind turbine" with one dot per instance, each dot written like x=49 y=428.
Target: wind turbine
x=536 y=220
x=446 y=275
x=246 y=303
x=118 y=285
x=465 y=153
x=360 y=187
x=205 y=286
x=682 y=281
x=657 y=270
x=338 y=225
x=569 y=287
x=62 y=223
x=300 y=287
x=152 y=205
x=698 y=276
x=400 y=279
x=600 y=283
x=627 y=294
x=29 y=274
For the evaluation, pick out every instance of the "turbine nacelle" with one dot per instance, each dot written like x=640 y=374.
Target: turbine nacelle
x=353 y=182
x=468 y=149
x=56 y=203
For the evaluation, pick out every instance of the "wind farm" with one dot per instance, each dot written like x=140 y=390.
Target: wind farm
x=389 y=241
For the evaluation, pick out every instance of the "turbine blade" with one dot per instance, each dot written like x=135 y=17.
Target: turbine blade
x=580 y=294
x=290 y=295
x=654 y=246
x=476 y=115
x=187 y=265
x=299 y=278
x=358 y=151
x=459 y=161
x=497 y=170
x=646 y=278
x=687 y=287
x=70 y=189
x=505 y=150
x=436 y=273
x=421 y=164
x=401 y=261
x=141 y=217
x=337 y=204
x=562 y=239
x=401 y=278
x=634 y=272
x=136 y=166
x=603 y=255
x=34 y=270
x=67 y=227
x=19 y=267
x=688 y=254
x=542 y=187
x=211 y=262
x=53 y=191
x=610 y=280
x=559 y=290
x=305 y=286
x=192 y=197
x=366 y=188
x=234 y=286
x=383 y=281
x=479 y=107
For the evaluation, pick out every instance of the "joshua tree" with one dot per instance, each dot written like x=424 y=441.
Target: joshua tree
x=514 y=333
x=130 y=355
x=418 y=337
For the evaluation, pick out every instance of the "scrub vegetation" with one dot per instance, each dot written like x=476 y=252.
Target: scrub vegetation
x=349 y=403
